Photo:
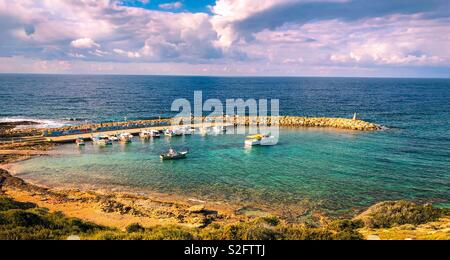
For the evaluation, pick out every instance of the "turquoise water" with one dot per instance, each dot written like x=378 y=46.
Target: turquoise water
x=328 y=167
x=335 y=170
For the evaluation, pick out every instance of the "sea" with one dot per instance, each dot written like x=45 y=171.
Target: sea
x=332 y=170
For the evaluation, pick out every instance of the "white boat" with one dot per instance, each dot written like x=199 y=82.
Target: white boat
x=125 y=138
x=169 y=133
x=173 y=155
x=187 y=130
x=217 y=130
x=149 y=134
x=101 y=140
x=80 y=141
x=260 y=139
x=113 y=138
x=179 y=131
x=268 y=140
x=252 y=142
x=204 y=131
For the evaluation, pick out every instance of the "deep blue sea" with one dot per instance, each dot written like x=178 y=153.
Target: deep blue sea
x=335 y=170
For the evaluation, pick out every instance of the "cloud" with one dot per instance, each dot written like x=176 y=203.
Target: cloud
x=57 y=27
x=236 y=19
x=174 y=5
x=84 y=43
x=278 y=36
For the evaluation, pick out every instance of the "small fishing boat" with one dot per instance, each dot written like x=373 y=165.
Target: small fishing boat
x=268 y=140
x=173 y=155
x=204 y=131
x=125 y=138
x=113 y=138
x=149 y=134
x=179 y=132
x=101 y=140
x=186 y=130
x=253 y=140
x=169 y=133
x=80 y=141
x=260 y=139
x=217 y=130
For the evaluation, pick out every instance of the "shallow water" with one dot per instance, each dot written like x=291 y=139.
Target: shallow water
x=325 y=166
x=337 y=170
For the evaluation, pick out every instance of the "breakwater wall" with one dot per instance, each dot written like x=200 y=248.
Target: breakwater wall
x=288 y=121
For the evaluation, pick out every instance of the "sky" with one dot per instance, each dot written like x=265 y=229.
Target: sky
x=348 y=38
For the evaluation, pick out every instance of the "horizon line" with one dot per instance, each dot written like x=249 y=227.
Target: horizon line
x=220 y=76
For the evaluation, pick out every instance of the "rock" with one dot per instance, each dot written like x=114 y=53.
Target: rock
x=373 y=237
x=73 y=238
x=196 y=209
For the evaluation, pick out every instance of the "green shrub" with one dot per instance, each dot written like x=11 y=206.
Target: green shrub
x=388 y=214
x=261 y=233
x=346 y=225
x=24 y=221
x=303 y=233
x=136 y=227
x=212 y=232
x=3 y=219
x=347 y=235
x=272 y=221
x=234 y=232
x=22 y=218
x=168 y=233
x=108 y=235
x=7 y=204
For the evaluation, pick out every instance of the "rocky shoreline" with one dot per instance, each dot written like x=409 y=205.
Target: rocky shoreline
x=117 y=210
x=124 y=216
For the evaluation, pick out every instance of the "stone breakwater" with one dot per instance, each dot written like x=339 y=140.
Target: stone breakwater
x=287 y=121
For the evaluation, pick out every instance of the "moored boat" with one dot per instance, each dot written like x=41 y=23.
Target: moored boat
x=149 y=134
x=113 y=138
x=80 y=141
x=101 y=140
x=169 y=133
x=125 y=138
x=268 y=140
x=217 y=130
x=260 y=139
x=173 y=155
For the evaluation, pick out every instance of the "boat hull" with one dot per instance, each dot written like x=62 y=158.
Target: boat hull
x=166 y=157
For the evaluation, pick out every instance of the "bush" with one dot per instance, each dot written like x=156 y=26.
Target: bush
x=303 y=233
x=272 y=221
x=234 y=232
x=7 y=204
x=168 y=233
x=346 y=225
x=24 y=221
x=261 y=233
x=347 y=235
x=22 y=218
x=388 y=214
x=108 y=235
x=136 y=227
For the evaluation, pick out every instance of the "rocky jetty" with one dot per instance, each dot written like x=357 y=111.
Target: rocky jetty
x=288 y=121
x=296 y=121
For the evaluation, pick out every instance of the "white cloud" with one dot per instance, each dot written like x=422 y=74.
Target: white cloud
x=174 y=5
x=84 y=43
x=262 y=35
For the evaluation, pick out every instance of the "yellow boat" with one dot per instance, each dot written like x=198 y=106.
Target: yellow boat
x=258 y=136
